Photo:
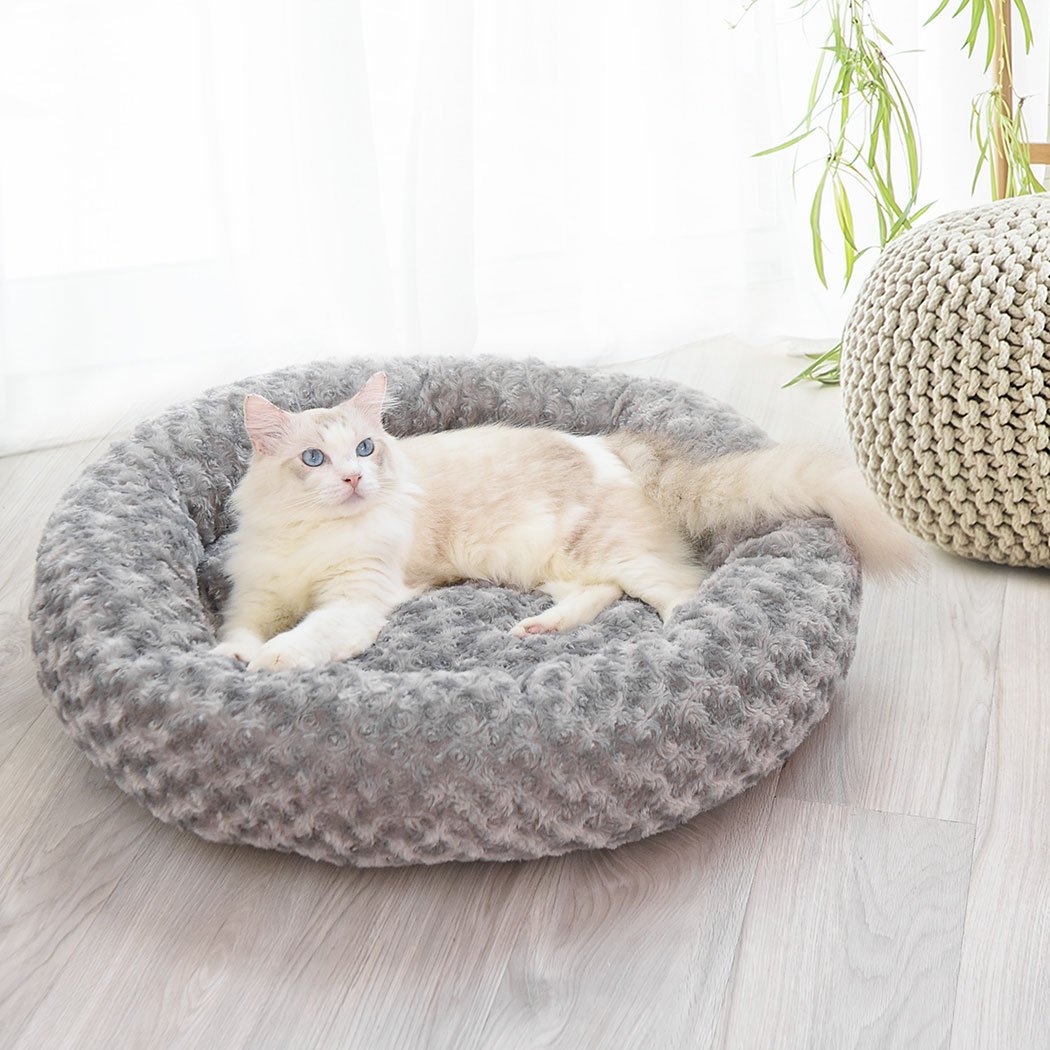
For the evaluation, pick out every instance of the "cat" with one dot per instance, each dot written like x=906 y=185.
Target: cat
x=339 y=522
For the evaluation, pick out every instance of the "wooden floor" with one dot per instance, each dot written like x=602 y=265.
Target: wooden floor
x=890 y=888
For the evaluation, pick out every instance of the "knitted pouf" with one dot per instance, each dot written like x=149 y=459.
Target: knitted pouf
x=448 y=739
x=945 y=363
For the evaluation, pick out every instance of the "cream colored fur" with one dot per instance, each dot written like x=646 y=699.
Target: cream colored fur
x=323 y=555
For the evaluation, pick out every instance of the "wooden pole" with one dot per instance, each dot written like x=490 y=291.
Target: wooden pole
x=1003 y=69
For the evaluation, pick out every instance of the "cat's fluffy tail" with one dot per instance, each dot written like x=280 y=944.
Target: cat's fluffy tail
x=739 y=490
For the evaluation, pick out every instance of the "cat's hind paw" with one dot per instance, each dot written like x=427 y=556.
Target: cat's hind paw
x=535 y=625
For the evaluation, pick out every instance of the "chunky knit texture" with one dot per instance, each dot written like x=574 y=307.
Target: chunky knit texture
x=448 y=739
x=945 y=369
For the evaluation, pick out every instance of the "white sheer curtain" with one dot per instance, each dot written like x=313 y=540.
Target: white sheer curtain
x=192 y=191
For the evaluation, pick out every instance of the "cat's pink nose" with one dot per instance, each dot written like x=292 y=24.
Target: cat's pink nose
x=352 y=480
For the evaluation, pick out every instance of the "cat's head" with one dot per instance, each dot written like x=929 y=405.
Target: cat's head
x=331 y=461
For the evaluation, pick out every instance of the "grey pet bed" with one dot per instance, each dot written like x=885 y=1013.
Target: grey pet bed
x=449 y=739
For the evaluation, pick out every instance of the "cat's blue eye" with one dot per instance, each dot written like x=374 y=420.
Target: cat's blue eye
x=313 y=457
x=366 y=448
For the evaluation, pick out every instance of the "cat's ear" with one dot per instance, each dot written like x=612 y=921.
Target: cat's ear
x=267 y=425
x=369 y=399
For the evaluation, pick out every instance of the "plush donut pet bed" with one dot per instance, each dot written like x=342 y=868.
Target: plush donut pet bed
x=448 y=739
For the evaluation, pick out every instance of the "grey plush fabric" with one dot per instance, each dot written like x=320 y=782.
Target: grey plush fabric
x=449 y=739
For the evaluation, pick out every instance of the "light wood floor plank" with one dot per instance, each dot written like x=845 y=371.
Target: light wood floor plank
x=202 y=945
x=633 y=948
x=66 y=839
x=216 y=946
x=1004 y=982
x=853 y=932
x=908 y=735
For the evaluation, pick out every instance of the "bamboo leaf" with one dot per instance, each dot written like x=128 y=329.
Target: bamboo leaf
x=920 y=212
x=976 y=14
x=876 y=127
x=824 y=369
x=1026 y=24
x=844 y=106
x=815 y=86
x=845 y=219
x=836 y=32
x=886 y=194
x=990 y=26
x=784 y=145
x=880 y=217
x=907 y=220
x=814 y=227
x=940 y=7
x=912 y=149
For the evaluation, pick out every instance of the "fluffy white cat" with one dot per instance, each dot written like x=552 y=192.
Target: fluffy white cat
x=339 y=522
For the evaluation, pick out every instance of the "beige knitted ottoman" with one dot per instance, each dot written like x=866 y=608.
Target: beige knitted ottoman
x=945 y=373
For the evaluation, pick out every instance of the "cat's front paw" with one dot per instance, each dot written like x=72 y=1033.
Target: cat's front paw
x=283 y=654
x=241 y=645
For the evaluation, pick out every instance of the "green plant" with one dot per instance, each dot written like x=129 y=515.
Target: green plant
x=860 y=113
x=869 y=153
x=987 y=15
x=998 y=132
x=997 y=127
